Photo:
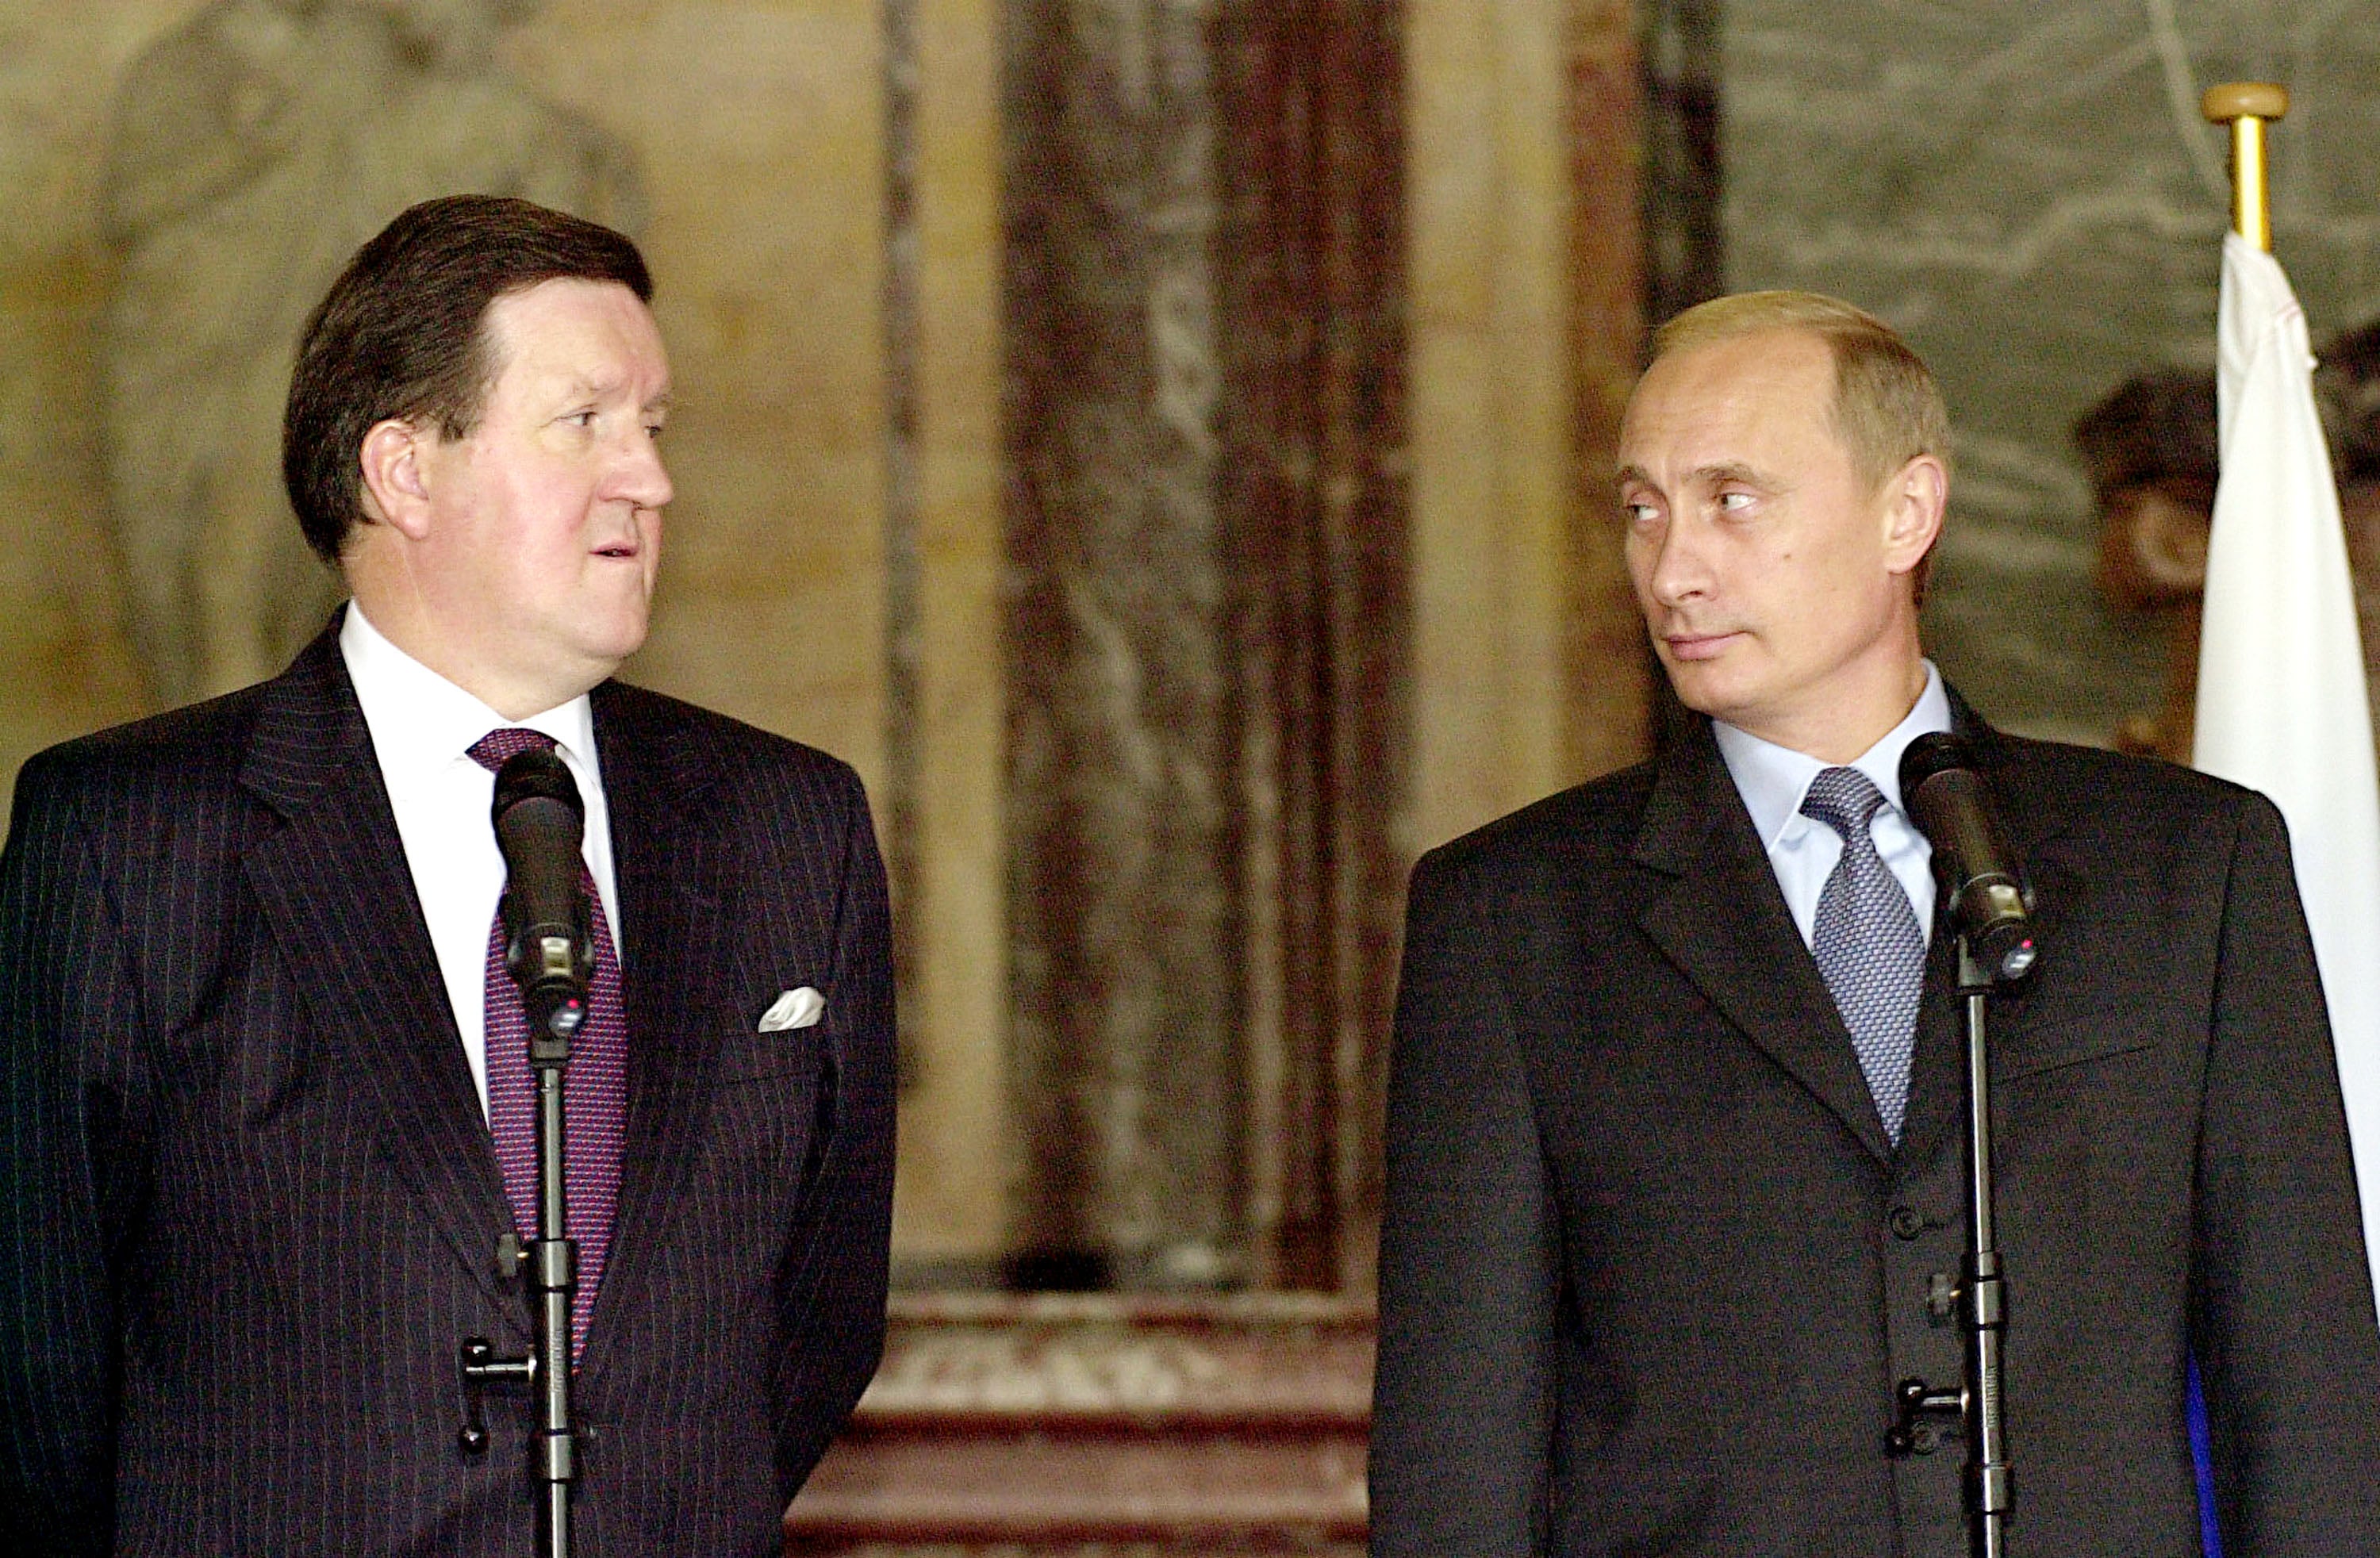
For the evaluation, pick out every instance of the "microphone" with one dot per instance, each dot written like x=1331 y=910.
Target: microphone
x=549 y=943
x=1949 y=800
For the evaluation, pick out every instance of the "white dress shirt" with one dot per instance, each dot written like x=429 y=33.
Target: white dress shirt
x=423 y=729
x=1801 y=851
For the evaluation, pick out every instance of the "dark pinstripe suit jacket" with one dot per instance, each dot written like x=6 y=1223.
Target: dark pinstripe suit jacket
x=1650 y=1266
x=249 y=1206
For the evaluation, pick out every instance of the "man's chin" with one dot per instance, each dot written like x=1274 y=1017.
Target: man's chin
x=600 y=646
x=1704 y=688
x=610 y=650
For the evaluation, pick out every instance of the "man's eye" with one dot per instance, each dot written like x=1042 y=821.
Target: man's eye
x=580 y=419
x=1735 y=500
x=1640 y=513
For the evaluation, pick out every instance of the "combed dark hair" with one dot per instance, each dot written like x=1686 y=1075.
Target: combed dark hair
x=2348 y=387
x=2153 y=428
x=402 y=334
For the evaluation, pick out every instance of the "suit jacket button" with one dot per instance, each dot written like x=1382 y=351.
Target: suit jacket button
x=1907 y=1222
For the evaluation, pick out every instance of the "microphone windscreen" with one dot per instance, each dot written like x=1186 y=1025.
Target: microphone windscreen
x=1933 y=753
x=537 y=773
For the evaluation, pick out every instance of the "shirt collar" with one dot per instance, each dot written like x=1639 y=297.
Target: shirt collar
x=421 y=724
x=1773 y=779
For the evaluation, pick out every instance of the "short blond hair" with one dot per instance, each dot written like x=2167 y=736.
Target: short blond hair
x=1886 y=408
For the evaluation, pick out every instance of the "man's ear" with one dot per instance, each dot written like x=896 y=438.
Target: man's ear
x=1915 y=498
x=396 y=478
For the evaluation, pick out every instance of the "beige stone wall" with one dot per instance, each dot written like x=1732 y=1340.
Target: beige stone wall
x=758 y=127
x=757 y=130
x=64 y=665
x=955 y=1167
x=1515 y=605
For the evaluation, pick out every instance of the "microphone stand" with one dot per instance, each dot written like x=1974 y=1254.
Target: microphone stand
x=551 y=972
x=1977 y=1405
x=1990 y=1481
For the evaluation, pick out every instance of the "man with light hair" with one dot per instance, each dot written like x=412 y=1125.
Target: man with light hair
x=1676 y=1178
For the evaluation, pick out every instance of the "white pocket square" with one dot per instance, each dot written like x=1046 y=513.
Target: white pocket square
x=795 y=1008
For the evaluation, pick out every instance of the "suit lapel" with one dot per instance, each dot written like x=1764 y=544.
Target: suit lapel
x=1723 y=921
x=1938 y=1070
x=671 y=863
x=336 y=891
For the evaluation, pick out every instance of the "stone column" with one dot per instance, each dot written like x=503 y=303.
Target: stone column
x=1314 y=285
x=1207 y=630
x=1617 y=128
x=1126 y=1086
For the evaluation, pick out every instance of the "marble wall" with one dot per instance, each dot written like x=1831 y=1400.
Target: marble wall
x=1121 y=798
x=1320 y=316
x=1315 y=439
x=2029 y=192
x=1205 y=643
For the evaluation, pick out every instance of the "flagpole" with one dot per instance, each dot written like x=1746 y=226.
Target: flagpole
x=2282 y=687
x=2248 y=107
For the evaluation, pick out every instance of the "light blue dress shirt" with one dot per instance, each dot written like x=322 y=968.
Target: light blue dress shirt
x=1772 y=780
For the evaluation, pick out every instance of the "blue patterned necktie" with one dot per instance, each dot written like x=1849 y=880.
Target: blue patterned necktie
x=1868 y=942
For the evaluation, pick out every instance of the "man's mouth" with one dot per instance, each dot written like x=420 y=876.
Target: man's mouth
x=1698 y=646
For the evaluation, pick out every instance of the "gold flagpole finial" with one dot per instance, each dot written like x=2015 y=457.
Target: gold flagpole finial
x=2248 y=107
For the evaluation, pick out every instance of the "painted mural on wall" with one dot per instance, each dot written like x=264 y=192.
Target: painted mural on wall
x=252 y=149
x=2029 y=193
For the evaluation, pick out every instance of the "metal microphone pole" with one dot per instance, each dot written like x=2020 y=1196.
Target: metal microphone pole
x=1983 y=1294
x=552 y=1268
x=1977 y=1405
x=551 y=962
x=1988 y=908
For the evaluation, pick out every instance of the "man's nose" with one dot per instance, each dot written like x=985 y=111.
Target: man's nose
x=640 y=476
x=1680 y=569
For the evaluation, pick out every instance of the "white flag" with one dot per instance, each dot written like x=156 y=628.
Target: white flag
x=2281 y=703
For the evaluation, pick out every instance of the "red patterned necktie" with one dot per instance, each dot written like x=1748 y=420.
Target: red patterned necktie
x=595 y=1090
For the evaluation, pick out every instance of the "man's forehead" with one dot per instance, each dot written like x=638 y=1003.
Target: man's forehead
x=1713 y=473
x=573 y=381
x=1784 y=358
x=1750 y=388
x=577 y=336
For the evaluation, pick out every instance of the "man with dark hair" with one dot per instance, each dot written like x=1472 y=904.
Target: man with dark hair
x=403 y=336
x=2150 y=450
x=264 y=1100
x=1676 y=1179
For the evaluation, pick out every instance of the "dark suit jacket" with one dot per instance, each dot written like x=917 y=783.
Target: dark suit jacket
x=1650 y=1268
x=248 y=1205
